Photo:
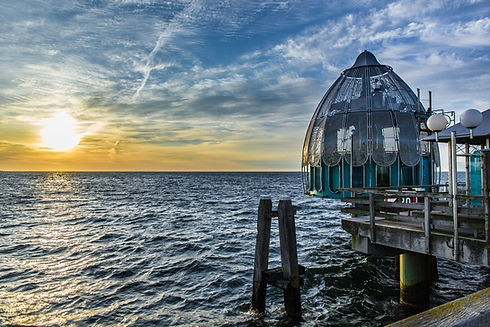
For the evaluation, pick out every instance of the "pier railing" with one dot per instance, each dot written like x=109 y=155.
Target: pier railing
x=421 y=219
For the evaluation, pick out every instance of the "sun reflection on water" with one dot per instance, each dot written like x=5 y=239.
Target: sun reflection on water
x=38 y=308
x=58 y=258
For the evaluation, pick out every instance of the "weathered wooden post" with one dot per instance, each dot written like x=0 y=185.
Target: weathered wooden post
x=287 y=277
x=261 y=254
x=289 y=258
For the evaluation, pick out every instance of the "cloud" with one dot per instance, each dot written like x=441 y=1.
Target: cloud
x=221 y=76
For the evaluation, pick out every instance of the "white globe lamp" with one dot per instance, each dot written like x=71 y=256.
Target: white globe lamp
x=471 y=118
x=437 y=123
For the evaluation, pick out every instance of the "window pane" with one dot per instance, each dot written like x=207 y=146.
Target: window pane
x=334 y=140
x=316 y=142
x=408 y=138
x=384 y=138
x=382 y=176
x=358 y=120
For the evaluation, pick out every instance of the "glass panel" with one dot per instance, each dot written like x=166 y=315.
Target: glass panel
x=334 y=178
x=310 y=179
x=357 y=102
x=407 y=175
x=408 y=138
x=379 y=92
x=382 y=176
x=358 y=120
x=384 y=138
x=330 y=106
x=306 y=145
x=358 y=176
x=318 y=179
x=409 y=100
x=388 y=94
x=475 y=173
x=425 y=146
x=333 y=143
x=316 y=142
x=347 y=93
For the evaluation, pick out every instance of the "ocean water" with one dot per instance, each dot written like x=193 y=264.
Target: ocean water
x=177 y=249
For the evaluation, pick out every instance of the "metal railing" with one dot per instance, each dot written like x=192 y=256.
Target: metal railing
x=424 y=207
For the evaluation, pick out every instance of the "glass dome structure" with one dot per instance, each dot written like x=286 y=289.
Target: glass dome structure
x=366 y=132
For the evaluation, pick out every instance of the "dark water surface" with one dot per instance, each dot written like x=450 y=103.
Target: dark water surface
x=161 y=249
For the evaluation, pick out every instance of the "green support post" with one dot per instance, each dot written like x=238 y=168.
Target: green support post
x=417 y=272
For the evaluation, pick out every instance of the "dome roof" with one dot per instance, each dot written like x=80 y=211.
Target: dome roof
x=366 y=58
x=372 y=105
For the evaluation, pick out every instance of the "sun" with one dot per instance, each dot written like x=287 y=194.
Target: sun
x=60 y=132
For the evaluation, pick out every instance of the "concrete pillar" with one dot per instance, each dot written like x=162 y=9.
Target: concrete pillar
x=417 y=272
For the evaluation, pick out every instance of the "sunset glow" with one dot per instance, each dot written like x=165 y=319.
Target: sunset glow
x=59 y=132
x=191 y=85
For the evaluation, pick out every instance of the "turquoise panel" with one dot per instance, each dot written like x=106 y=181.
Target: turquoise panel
x=475 y=173
x=426 y=170
x=333 y=178
x=395 y=173
x=346 y=173
x=318 y=179
x=406 y=175
x=370 y=174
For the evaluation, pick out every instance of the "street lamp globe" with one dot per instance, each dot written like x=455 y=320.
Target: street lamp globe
x=471 y=118
x=437 y=122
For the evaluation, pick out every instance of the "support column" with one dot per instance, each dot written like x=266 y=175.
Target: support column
x=417 y=272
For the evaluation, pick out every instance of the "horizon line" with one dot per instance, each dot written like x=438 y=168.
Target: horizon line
x=150 y=171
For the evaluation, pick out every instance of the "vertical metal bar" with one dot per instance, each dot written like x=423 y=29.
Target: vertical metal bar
x=467 y=172
x=399 y=169
x=372 y=218
x=427 y=223
x=485 y=162
x=454 y=191
x=486 y=194
x=450 y=169
x=430 y=103
x=418 y=107
x=351 y=167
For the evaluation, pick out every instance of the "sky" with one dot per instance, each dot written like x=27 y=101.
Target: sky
x=212 y=85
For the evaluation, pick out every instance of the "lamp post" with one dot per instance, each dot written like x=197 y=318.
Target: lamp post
x=437 y=123
x=471 y=118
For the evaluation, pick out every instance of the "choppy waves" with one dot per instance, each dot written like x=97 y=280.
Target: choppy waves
x=140 y=249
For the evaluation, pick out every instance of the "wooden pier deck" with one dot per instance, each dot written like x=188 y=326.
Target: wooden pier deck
x=472 y=310
x=390 y=222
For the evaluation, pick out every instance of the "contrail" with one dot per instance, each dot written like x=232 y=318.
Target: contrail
x=174 y=26
x=147 y=70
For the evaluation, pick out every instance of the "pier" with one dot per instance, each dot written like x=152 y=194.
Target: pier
x=372 y=144
x=391 y=221
x=421 y=223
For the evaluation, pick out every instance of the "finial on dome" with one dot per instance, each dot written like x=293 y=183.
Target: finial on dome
x=366 y=58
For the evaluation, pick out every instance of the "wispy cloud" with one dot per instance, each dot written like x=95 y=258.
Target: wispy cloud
x=232 y=79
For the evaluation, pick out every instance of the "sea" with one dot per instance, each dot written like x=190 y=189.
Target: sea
x=177 y=249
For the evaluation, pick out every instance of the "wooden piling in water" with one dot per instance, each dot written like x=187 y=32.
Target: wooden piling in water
x=261 y=254
x=286 y=277
x=289 y=258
